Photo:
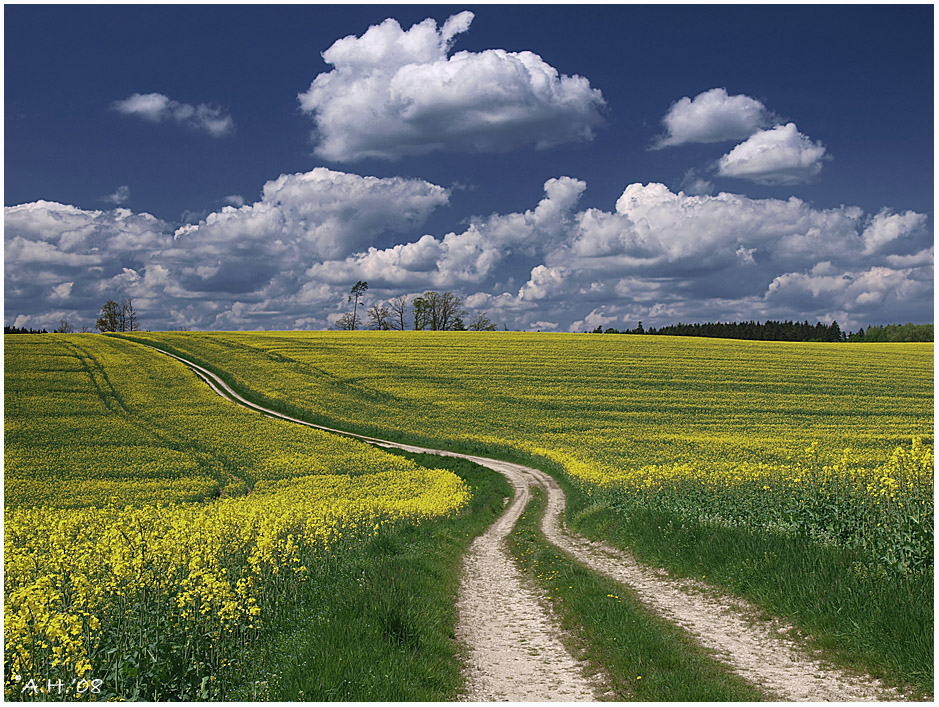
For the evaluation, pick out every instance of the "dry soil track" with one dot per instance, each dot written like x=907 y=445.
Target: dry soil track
x=512 y=641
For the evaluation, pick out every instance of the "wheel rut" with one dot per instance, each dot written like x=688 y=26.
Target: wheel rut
x=514 y=653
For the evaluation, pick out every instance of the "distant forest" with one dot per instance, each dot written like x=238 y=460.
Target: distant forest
x=23 y=330
x=786 y=331
x=894 y=332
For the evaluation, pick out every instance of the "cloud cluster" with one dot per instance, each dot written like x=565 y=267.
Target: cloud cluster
x=712 y=116
x=472 y=257
x=288 y=259
x=888 y=228
x=158 y=108
x=262 y=250
x=672 y=256
x=60 y=260
x=234 y=263
x=394 y=93
x=778 y=155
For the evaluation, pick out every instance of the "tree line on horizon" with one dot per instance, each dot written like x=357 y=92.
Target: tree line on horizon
x=431 y=311
x=114 y=316
x=772 y=330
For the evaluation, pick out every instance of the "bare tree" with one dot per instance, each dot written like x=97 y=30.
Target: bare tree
x=379 y=317
x=129 y=321
x=482 y=323
x=346 y=322
x=358 y=289
x=448 y=312
x=65 y=327
x=399 y=310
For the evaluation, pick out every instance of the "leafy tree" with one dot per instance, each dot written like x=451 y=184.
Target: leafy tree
x=438 y=311
x=22 y=330
x=118 y=317
x=421 y=313
x=110 y=317
x=766 y=331
x=358 y=290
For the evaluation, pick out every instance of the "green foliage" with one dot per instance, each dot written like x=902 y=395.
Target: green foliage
x=894 y=333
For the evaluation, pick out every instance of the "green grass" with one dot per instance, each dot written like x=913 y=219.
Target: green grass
x=378 y=622
x=878 y=623
x=643 y=656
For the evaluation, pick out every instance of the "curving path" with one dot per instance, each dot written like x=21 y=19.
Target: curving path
x=514 y=652
x=512 y=641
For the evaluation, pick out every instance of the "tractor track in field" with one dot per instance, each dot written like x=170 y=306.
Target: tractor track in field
x=513 y=646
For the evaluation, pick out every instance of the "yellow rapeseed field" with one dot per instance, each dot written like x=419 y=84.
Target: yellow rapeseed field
x=833 y=441
x=143 y=512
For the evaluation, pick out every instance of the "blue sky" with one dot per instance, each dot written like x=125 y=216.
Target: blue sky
x=560 y=167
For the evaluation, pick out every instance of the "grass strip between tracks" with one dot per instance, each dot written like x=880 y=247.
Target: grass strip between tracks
x=643 y=656
x=378 y=622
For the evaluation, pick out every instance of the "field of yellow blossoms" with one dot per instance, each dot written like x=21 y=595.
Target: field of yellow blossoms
x=830 y=441
x=151 y=528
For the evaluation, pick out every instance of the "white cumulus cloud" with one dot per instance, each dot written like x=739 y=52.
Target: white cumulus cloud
x=393 y=93
x=712 y=116
x=543 y=281
x=57 y=257
x=886 y=228
x=330 y=213
x=882 y=289
x=781 y=155
x=157 y=108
